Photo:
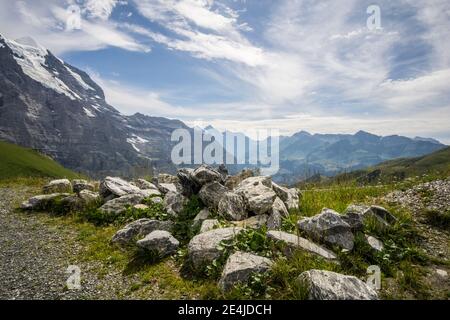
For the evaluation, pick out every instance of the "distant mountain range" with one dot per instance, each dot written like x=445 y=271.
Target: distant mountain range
x=51 y=106
x=436 y=165
x=304 y=155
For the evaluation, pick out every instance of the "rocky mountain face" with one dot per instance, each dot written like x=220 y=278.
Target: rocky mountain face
x=51 y=106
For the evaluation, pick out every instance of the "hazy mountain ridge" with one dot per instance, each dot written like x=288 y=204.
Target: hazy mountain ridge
x=303 y=154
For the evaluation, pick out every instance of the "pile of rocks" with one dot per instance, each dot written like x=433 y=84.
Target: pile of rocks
x=233 y=198
x=434 y=195
x=244 y=201
x=74 y=195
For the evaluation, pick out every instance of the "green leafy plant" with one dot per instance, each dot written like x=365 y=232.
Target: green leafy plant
x=184 y=228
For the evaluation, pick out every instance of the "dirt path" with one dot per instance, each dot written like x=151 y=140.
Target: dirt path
x=34 y=257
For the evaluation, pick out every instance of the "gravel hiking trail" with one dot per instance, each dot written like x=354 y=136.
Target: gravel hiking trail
x=35 y=255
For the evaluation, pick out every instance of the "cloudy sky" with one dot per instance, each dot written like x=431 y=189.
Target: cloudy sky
x=289 y=65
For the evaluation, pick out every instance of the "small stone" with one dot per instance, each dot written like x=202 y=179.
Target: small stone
x=279 y=211
x=200 y=217
x=328 y=227
x=327 y=285
x=258 y=194
x=165 y=188
x=294 y=242
x=232 y=207
x=161 y=242
x=442 y=273
x=145 y=185
x=174 y=203
x=240 y=266
x=206 y=174
x=141 y=207
x=58 y=186
x=139 y=228
x=116 y=187
x=42 y=201
x=203 y=249
x=375 y=243
x=80 y=185
x=119 y=205
x=208 y=225
x=211 y=194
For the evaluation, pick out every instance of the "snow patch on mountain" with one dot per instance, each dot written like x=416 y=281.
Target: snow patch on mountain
x=32 y=61
x=134 y=140
x=79 y=79
x=89 y=113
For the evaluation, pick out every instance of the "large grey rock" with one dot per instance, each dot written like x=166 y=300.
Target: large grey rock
x=79 y=202
x=383 y=214
x=240 y=266
x=119 y=205
x=206 y=174
x=41 y=202
x=145 y=185
x=259 y=180
x=165 y=178
x=328 y=227
x=80 y=185
x=200 y=217
x=139 y=228
x=161 y=242
x=279 y=211
x=149 y=192
x=58 y=186
x=117 y=187
x=327 y=285
x=231 y=182
x=223 y=170
x=290 y=197
x=258 y=194
x=357 y=215
x=354 y=216
x=211 y=193
x=174 y=203
x=188 y=185
x=89 y=197
x=203 y=249
x=232 y=207
x=208 y=225
x=165 y=188
x=294 y=242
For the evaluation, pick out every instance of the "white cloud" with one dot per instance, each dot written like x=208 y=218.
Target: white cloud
x=188 y=19
x=130 y=100
x=101 y=9
x=46 y=22
x=428 y=91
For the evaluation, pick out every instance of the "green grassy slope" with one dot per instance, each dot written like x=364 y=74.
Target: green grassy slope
x=19 y=162
x=435 y=165
x=435 y=162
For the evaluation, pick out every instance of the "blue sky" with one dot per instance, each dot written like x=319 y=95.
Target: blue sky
x=289 y=65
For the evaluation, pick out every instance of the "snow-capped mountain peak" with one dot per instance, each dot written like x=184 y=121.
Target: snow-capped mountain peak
x=33 y=61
